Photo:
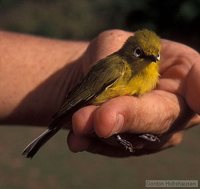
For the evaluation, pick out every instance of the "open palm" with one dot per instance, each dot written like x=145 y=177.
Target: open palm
x=166 y=111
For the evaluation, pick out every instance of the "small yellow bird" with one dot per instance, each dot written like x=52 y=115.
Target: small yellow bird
x=132 y=70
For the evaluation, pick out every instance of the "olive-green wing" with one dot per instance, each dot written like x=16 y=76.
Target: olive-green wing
x=101 y=75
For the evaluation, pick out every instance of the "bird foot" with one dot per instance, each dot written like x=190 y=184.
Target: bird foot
x=127 y=145
x=150 y=137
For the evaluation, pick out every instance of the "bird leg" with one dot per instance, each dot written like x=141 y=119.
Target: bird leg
x=129 y=146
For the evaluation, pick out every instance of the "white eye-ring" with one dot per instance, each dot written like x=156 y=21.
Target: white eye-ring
x=158 y=57
x=138 y=52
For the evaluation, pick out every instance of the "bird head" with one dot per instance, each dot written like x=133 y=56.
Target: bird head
x=144 y=45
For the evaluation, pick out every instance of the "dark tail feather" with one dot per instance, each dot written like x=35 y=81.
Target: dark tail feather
x=36 y=144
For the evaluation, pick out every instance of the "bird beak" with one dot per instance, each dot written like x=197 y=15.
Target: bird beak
x=154 y=58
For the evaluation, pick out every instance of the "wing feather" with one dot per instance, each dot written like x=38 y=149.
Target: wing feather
x=101 y=75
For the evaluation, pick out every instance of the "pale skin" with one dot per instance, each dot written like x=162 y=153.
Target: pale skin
x=36 y=74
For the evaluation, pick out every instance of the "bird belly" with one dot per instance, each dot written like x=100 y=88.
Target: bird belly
x=111 y=93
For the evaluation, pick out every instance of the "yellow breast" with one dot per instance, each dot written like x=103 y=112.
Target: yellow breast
x=129 y=84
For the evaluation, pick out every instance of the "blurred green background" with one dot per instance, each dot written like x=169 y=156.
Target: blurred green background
x=55 y=166
x=84 y=19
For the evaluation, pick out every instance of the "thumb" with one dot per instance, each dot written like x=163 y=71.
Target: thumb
x=154 y=113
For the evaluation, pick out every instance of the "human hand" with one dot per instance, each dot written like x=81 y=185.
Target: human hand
x=163 y=111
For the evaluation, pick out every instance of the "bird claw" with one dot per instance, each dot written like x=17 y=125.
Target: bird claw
x=127 y=145
x=150 y=137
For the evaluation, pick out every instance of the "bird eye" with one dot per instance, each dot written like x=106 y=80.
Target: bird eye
x=138 y=52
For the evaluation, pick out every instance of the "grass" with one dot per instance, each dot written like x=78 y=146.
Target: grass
x=56 y=167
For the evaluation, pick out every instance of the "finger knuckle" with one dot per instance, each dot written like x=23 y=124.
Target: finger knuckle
x=176 y=139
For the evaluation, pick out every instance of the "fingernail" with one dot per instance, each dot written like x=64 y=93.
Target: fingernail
x=118 y=124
